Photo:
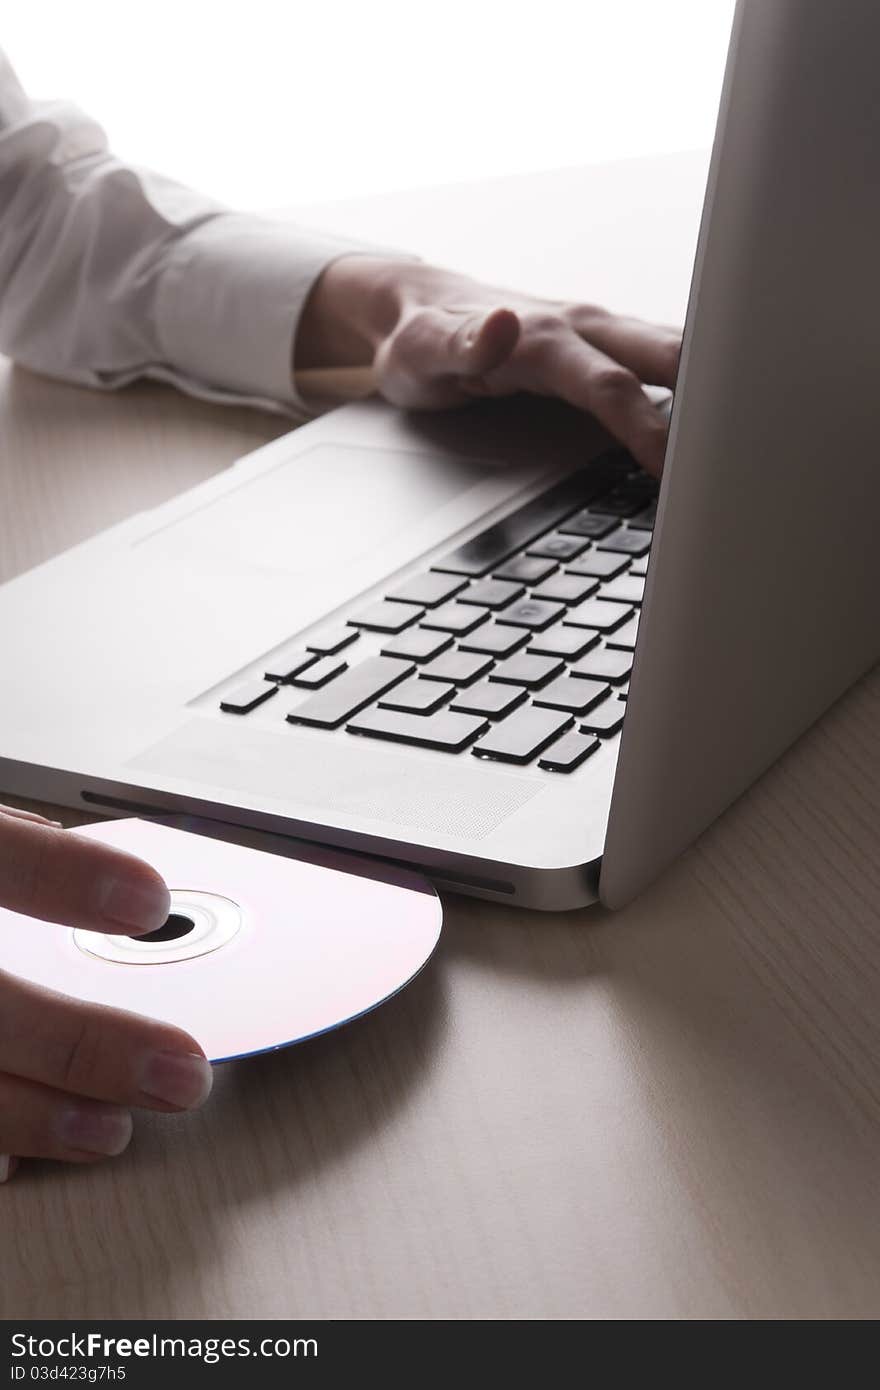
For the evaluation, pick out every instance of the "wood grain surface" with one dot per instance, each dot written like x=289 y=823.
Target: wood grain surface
x=671 y=1112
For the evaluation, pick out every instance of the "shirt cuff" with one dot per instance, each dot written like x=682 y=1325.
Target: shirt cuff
x=229 y=302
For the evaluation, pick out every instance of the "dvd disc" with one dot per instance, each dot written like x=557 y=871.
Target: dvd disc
x=260 y=950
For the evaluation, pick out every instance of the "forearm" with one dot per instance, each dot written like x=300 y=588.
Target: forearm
x=108 y=273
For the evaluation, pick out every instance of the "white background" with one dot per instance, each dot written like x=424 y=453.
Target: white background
x=264 y=103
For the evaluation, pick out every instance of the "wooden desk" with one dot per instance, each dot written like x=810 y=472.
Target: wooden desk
x=670 y=1112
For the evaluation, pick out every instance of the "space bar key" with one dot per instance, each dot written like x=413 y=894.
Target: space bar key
x=444 y=730
x=330 y=707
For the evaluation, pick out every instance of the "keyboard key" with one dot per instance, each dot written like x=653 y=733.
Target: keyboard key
x=604 y=719
x=617 y=508
x=329 y=643
x=320 y=672
x=288 y=664
x=247 y=697
x=645 y=520
x=358 y=686
x=428 y=589
x=566 y=588
x=524 y=735
x=564 y=641
x=528 y=569
x=489 y=698
x=494 y=545
x=640 y=566
x=525 y=669
x=418 y=644
x=572 y=694
x=622 y=502
x=493 y=593
x=535 y=614
x=386 y=616
x=589 y=525
x=627 y=542
x=638 y=481
x=417 y=697
x=462 y=668
x=495 y=640
x=569 y=752
x=605 y=664
x=629 y=588
x=635 y=491
x=598 y=613
x=445 y=730
x=626 y=636
x=602 y=564
x=456 y=617
x=559 y=547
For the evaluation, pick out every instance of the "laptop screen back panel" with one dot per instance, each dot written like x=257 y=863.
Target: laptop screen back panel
x=761 y=605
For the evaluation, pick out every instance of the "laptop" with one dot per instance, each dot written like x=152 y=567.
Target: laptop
x=485 y=643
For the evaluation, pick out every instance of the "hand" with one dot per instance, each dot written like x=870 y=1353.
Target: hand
x=437 y=339
x=71 y=1072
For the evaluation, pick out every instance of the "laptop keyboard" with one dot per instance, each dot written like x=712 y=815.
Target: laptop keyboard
x=515 y=647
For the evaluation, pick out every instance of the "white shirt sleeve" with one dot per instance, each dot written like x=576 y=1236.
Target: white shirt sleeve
x=109 y=273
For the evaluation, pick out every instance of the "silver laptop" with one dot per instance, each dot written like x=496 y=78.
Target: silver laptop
x=481 y=643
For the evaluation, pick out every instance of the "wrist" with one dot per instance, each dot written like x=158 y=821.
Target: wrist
x=355 y=303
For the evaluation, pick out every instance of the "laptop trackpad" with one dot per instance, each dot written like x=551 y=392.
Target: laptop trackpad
x=324 y=508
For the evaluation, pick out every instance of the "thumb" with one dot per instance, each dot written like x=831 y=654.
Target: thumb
x=62 y=877
x=436 y=344
x=482 y=342
x=428 y=360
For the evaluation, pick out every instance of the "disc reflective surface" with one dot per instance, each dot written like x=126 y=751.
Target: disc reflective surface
x=261 y=951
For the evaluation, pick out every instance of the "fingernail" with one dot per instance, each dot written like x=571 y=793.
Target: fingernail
x=96 y=1131
x=142 y=904
x=8 y=1165
x=182 y=1079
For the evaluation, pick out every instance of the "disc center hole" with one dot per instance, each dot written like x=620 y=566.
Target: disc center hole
x=175 y=926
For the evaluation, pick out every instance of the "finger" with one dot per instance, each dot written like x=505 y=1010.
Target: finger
x=63 y=877
x=650 y=350
x=104 y=1054
x=425 y=363
x=37 y=1122
x=590 y=380
x=19 y=814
